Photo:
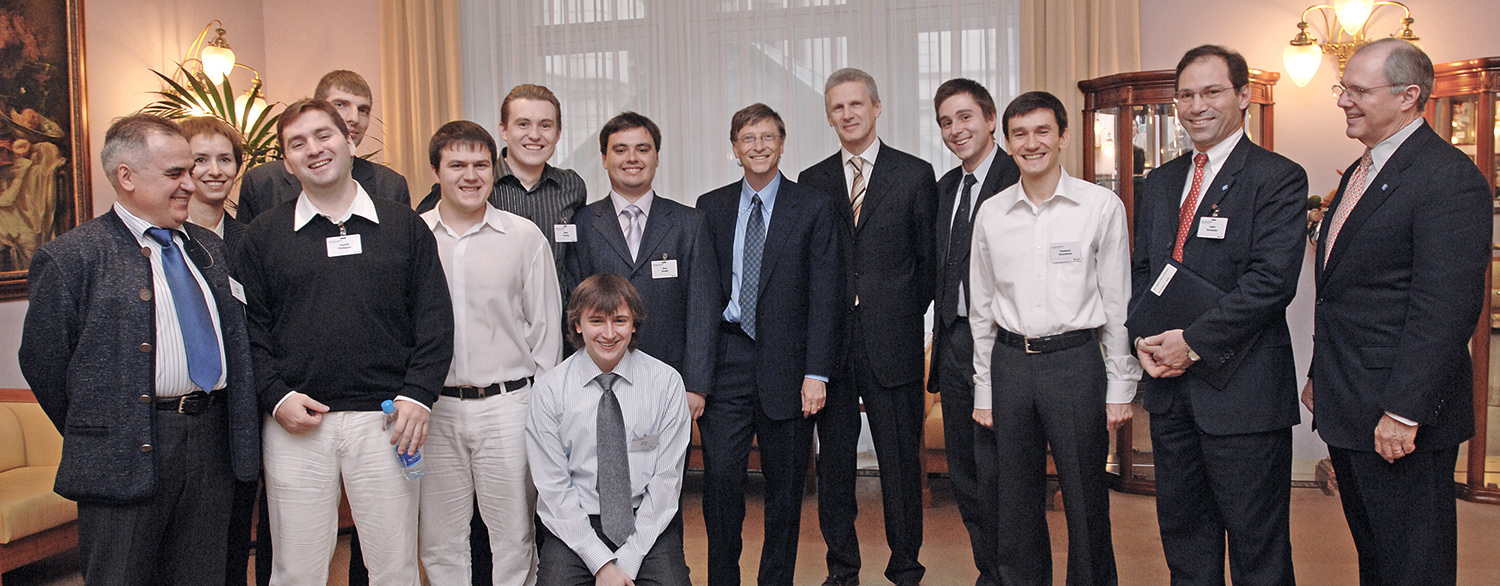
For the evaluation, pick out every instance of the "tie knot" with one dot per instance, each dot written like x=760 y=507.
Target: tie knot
x=1200 y=159
x=607 y=380
x=632 y=212
x=755 y=200
x=162 y=236
x=1368 y=160
x=858 y=163
x=969 y=180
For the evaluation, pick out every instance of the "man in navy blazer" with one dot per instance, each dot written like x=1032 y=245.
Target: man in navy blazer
x=660 y=245
x=269 y=185
x=150 y=456
x=886 y=199
x=1401 y=280
x=1222 y=390
x=781 y=298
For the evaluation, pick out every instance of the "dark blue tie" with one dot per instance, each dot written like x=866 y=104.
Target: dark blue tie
x=198 y=336
x=755 y=244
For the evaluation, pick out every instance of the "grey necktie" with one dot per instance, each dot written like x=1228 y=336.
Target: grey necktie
x=615 y=513
x=755 y=243
x=633 y=230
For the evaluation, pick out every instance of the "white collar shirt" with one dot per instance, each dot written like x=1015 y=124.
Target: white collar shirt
x=1216 y=156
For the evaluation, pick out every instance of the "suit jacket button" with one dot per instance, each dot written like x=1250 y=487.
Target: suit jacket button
x=145 y=294
x=146 y=252
x=145 y=448
x=144 y=399
x=145 y=347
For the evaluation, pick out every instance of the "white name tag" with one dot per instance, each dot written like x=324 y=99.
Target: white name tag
x=664 y=269
x=1212 y=227
x=565 y=232
x=1067 y=252
x=237 y=290
x=643 y=444
x=1162 y=280
x=344 y=245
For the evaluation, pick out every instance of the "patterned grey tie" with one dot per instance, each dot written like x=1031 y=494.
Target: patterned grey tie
x=615 y=513
x=634 y=229
x=755 y=244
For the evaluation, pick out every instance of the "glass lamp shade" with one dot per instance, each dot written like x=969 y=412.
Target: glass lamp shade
x=255 y=108
x=1301 y=62
x=1353 y=14
x=217 y=62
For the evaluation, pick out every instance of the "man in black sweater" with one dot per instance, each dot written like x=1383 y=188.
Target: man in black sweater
x=348 y=307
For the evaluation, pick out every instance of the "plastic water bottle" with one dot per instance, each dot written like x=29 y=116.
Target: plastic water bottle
x=411 y=466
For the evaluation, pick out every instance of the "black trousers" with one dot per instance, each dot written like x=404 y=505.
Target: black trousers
x=1209 y=486
x=1403 y=515
x=895 y=415
x=1054 y=399
x=179 y=535
x=953 y=354
x=664 y=565
x=731 y=419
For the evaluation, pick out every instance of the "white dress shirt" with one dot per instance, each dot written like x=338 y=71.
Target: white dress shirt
x=869 y=157
x=1382 y=152
x=1016 y=284
x=562 y=449
x=172 y=378
x=1216 y=156
x=506 y=303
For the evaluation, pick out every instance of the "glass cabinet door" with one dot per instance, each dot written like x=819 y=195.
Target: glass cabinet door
x=1106 y=157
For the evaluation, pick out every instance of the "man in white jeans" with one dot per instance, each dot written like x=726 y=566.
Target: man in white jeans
x=507 y=330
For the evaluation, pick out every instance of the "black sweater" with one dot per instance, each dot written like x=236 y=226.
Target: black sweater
x=348 y=331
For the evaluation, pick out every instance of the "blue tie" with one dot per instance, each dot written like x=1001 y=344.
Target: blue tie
x=755 y=243
x=192 y=313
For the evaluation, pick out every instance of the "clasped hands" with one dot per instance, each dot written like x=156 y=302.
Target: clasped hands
x=1164 y=355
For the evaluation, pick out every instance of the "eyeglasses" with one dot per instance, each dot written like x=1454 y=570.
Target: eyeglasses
x=1357 y=93
x=1208 y=95
x=750 y=139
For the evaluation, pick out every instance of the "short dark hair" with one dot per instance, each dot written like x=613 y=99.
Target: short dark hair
x=303 y=106
x=626 y=121
x=753 y=114
x=1032 y=101
x=604 y=293
x=126 y=139
x=211 y=125
x=1239 y=71
x=456 y=133
x=343 y=79
x=962 y=85
x=528 y=91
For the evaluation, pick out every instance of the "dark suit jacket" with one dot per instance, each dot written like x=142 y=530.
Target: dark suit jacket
x=87 y=352
x=1399 y=297
x=269 y=185
x=682 y=325
x=1263 y=196
x=801 y=290
x=889 y=258
x=234 y=232
x=1003 y=173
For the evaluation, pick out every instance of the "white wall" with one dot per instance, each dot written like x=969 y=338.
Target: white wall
x=306 y=39
x=1309 y=126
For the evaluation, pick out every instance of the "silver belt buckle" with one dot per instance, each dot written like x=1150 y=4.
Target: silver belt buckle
x=181 y=404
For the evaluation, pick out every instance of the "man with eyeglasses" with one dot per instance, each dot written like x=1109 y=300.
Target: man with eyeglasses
x=1221 y=384
x=1400 y=269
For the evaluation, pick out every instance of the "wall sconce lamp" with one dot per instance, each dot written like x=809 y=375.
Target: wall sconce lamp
x=1305 y=53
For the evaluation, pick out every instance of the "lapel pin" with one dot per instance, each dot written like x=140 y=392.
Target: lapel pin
x=1384 y=185
x=1224 y=188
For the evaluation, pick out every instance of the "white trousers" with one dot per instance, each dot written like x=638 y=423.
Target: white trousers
x=477 y=447
x=302 y=489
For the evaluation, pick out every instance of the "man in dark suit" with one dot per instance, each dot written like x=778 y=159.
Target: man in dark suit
x=135 y=345
x=781 y=290
x=887 y=200
x=1400 y=270
x=269 y=185
x=1222 y=390
x=966 y=116
x=661 y=246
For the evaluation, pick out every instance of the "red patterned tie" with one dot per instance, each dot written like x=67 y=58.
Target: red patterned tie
x=1356 y=189
x=1189 y=206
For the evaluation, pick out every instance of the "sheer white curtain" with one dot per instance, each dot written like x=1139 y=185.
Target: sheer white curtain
x=690 y=64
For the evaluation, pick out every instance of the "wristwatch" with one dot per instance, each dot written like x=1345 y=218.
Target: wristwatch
x=1193 y=356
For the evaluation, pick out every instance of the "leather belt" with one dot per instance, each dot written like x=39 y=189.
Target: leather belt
x=190 y=404
x=1045 y=344
x=472 y=392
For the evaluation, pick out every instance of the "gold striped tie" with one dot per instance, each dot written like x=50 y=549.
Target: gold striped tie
x=857 y=194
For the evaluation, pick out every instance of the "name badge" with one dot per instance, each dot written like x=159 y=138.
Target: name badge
x=644 y=444
x=664 y=269
x=1066 y=252
x=344 y=245
x=237 y=290
x=1212 y=227
x=1162 y=280
x=565 y=232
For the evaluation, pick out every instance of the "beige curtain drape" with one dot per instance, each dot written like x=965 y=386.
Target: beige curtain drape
x=1066 y=41
x=421 y=73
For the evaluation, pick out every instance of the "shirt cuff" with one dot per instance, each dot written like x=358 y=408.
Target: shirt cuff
x=1118 y=391
x=409 y=399
x=816 y=377
x=1402 y=419
x=283 y=400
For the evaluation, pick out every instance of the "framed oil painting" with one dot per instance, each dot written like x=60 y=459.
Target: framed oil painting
x=44 y=158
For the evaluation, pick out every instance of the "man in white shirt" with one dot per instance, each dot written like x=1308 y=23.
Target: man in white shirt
x=1050 y=277
x=607 y=439
x=505 y=306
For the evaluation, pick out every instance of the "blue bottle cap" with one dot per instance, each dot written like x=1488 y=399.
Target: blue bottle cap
x=388 y=406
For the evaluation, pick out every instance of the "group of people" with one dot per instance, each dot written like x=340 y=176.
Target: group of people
x=181 y=350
